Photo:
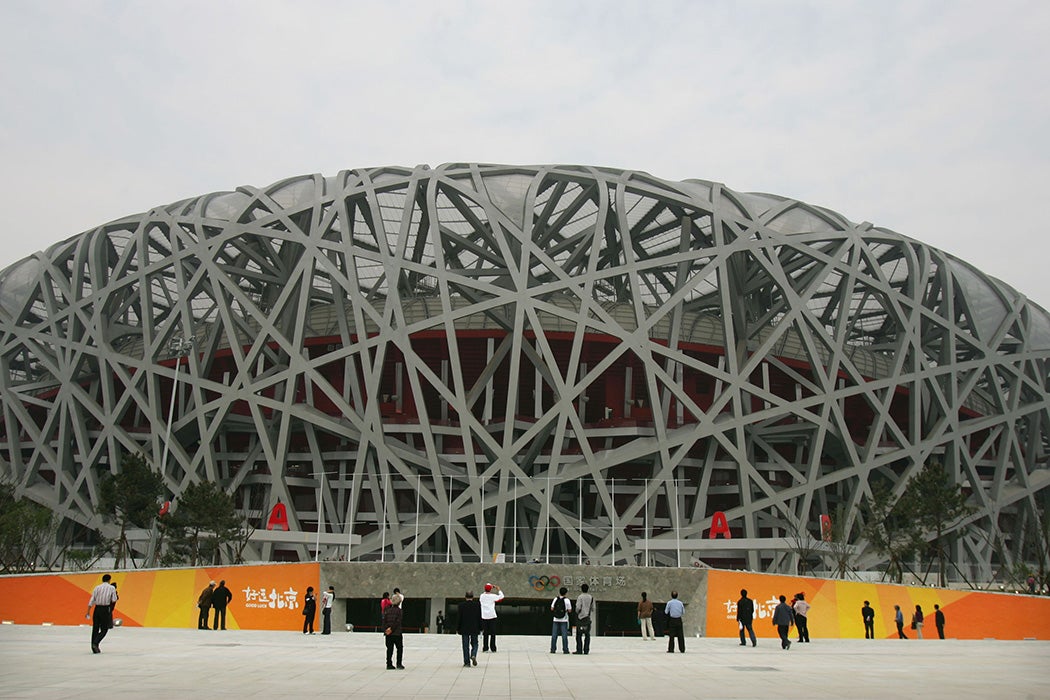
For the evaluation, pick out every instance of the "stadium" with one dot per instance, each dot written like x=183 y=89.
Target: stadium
x=563 y=364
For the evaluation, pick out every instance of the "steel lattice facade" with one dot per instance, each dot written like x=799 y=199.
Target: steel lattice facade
x=553 y=362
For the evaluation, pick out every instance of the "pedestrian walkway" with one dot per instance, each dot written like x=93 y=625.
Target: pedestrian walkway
x=56 y=662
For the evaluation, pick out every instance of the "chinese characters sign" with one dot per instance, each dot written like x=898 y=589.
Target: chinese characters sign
x=551 y=584
x=261 y=598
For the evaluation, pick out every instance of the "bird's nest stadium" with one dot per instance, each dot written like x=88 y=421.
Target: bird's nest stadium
x=560 y=363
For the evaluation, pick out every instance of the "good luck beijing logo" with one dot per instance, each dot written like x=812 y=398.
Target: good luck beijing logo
x=544 y=583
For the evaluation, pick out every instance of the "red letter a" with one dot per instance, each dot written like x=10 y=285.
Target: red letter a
x=719 y=526
x=278 y=518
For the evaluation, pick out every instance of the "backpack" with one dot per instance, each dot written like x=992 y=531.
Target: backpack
x=559 y=607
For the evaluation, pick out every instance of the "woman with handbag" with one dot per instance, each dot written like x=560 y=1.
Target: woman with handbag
x=645 y=617
x=916 y=621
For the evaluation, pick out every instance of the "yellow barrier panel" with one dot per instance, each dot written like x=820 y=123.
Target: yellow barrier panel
x=265 y=597
x=836 y=605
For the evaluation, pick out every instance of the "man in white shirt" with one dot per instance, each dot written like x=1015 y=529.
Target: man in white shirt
x=103 y=598
x=584 y=607
x=488 y=601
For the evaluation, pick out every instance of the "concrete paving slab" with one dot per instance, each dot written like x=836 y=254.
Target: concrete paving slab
x=56 y=662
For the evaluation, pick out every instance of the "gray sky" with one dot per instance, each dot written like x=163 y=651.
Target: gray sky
x=929 y=118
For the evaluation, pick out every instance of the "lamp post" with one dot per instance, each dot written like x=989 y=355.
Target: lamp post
x=320 y=517
x=179 y=347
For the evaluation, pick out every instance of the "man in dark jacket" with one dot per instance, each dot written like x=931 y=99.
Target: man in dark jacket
x=867 y=614
x=938 y=618
x=783 y=619
x=745 y=616
x=204 y=603
x=220 y=598
x=469 y=626
x=392 y=630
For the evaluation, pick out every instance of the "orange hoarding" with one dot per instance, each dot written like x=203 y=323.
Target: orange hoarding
x=265 y=597
x=836 y=605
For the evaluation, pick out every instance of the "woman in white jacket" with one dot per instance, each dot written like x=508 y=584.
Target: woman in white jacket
x=801 y=608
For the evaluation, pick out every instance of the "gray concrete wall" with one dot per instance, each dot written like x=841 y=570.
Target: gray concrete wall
x=527 y=581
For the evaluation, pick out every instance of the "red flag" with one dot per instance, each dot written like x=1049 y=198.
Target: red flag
x=825 y=528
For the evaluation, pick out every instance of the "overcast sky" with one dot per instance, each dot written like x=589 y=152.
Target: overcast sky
x=928 y=118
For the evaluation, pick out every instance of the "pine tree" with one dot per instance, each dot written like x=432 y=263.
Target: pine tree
x=938 y=502
x=890 y=526
x=130 y=499
x=204 y=519
x=26 y=528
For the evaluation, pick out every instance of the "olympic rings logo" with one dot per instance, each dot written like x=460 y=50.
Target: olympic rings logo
x=544 y=583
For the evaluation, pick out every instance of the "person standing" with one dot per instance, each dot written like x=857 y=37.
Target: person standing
x=469 y=626
x=488 y=602
x=584 y=608
x=204 y=603
x=645 y=617
x=309 y=610
x=560 y=608
x=898 y=619
x=103 y=599
x=801 y=609
x=384 y=601
x=440 y=622
x=675 y=612
x=938 y=619
x=392 y=629
x=113 y=608
x=659 y=619
x=783 y=618
x=917 y=621
x=220 y=598
x=745 y=617
x=327 y=598
x=867 y=614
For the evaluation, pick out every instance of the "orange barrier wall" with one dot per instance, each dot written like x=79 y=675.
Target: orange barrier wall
x=265 y=597
x=836 y=608
x=269 y=597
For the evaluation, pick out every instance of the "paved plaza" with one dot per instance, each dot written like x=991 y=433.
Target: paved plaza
x=56 y=662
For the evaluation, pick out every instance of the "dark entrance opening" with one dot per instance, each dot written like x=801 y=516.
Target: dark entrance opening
x=621 y=619
x=364 y=614
x=516 y=616
x=530 y=616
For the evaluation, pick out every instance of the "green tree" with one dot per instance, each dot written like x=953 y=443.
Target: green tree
x=129 y=498
x=204 y=520
x=1041 y=537
x=890 y=526
x=26 y=531
x=838 y=547
x=937 y=502
x=804 y=546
